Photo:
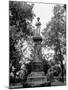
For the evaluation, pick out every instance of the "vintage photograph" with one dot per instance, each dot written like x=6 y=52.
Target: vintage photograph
x=37 y=44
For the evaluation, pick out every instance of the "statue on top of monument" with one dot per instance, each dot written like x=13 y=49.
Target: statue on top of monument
x=37 y=32
x=38 y=23
x=38 y=27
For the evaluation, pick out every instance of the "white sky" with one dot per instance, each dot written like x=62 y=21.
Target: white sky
x=44 y=11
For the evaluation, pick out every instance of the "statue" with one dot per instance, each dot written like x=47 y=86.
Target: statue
x=37 y=37
x=38 y=27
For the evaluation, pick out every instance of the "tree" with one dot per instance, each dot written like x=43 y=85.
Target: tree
x=20 y=18
x=20 y=11
x=56 y=33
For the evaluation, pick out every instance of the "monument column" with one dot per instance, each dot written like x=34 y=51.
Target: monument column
x=37 y=47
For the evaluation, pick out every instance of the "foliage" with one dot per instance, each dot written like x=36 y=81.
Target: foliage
x=53 y=72
x=20 y=18
x=55 y=33
x=20 y=11
x=47 y=53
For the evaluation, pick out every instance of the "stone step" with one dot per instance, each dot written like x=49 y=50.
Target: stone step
x=36 y=78
x=36 y=82
x=36 y=74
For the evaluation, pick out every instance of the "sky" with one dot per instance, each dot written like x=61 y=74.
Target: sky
x=44 y=11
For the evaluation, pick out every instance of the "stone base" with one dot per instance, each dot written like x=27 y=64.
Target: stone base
x=37 y=66
x=37 y=39
x=36 y=79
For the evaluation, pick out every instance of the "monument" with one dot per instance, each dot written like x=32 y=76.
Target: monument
x=37 y=76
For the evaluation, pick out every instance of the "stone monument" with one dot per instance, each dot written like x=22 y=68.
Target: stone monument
x=37 y=76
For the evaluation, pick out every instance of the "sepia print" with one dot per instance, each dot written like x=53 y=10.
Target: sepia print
x=37 y=36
